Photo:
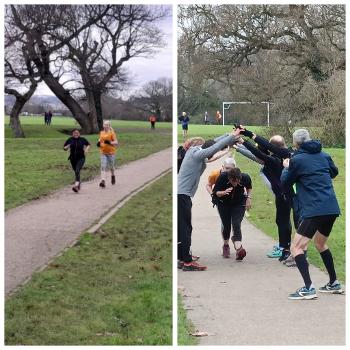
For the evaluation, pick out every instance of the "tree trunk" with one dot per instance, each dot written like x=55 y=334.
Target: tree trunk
x=98 y=107
x=15 y=123
x=21 y=100
x=85 y=120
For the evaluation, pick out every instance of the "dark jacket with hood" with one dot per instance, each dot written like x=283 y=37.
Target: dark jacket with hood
x=312 y=171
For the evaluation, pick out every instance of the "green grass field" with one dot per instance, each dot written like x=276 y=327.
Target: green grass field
x=112 y=288
x=263 y=211
x=37 y=164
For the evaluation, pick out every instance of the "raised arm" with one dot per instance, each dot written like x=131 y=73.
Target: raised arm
x=246 y=153
x=282 y=153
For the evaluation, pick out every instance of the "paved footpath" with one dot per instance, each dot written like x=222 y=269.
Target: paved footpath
x=245 y=303
x=38 y=231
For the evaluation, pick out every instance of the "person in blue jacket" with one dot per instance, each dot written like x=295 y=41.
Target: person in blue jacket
x=312 y=171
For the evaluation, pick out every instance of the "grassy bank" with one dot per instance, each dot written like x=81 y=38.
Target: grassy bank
x=112 y=288
x=37 y=165
x=185 y=327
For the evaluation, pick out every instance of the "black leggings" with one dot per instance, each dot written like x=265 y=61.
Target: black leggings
x=184 y=227
x=283 y=208
x=77 y=164
x=231 y=215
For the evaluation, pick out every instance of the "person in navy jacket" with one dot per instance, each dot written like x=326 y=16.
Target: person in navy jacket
x=312 y=170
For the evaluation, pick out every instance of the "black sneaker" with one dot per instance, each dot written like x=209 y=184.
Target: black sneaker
x=285 y=255
x=334 y=288
x=113 y=179
x=102 y=183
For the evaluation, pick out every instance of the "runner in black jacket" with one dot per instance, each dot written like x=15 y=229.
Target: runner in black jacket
x=272 y=154
x=79 y=147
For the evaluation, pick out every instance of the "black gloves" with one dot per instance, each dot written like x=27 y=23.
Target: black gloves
x=107 y=142
x=98 y=144
x=247 y=133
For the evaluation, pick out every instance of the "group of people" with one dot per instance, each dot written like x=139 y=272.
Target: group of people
x=47 y=118
x=79 y=148
x=299 y=178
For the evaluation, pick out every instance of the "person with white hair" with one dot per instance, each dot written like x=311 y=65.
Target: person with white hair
x=312 y=170
x=107 y=143
x=228 y=163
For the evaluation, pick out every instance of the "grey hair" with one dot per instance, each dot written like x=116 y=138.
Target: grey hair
x=300 y=136
x=230 y=161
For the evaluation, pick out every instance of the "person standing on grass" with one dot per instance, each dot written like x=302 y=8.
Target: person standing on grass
x=153 y=120
x=184 y=119
x=79 y=148
x=46 y=118
x=49 y=117
x=192 y=168
x=218 y=117
x=312 y=171
x=107 y=143
x=232 y=194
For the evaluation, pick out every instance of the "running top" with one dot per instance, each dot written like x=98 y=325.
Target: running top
x=104 y=147
x=238 y=194
x=76 y=147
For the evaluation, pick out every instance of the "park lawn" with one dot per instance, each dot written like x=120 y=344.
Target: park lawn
x=112 y=288
x=71 y=122
x=185 y=326
x=262 y=215
x=37 y=164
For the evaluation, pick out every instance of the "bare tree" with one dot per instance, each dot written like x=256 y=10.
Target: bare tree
x=21 y=80
x=156 y=98
x=79 y=50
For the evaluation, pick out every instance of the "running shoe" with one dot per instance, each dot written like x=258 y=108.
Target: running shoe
x=113 y=180
x=275 y=253
x=193 y=266
x=226 y=251
x=240 y=253
x=334 y=288
x=102 y=183
x=75 y=189
x=285 y=255
x=303 y=293
x=290 y=261
x=180 y=263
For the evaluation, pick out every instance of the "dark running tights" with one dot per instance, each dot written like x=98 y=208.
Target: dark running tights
x=231 y=215
x=77 y=164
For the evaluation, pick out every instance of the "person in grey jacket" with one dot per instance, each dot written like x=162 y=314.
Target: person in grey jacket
x=312 y=170
x=189 y=175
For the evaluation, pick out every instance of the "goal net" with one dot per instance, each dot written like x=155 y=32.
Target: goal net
x=246 y=113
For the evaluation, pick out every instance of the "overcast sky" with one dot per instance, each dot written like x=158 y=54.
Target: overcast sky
x=143 y=69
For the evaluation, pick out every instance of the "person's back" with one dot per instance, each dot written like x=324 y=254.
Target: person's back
x=191 y=169
x=313 y=171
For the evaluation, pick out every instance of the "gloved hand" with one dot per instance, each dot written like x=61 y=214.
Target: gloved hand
x=98 y=144
x=107 y=142
x=247 y=133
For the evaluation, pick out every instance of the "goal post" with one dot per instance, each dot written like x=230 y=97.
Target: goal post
x=227 y=105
